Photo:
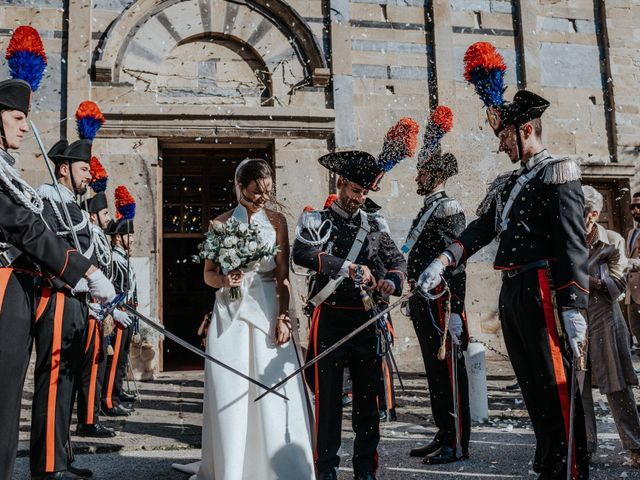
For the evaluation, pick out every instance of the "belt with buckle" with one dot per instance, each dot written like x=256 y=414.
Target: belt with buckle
x=525 y=268
x=8 y=256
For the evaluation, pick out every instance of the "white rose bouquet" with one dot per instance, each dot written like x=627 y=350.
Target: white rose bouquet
x=234 y=245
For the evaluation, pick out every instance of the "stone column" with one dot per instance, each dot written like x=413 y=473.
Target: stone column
x=78 y=59
x=341 y=71
x=443 y=48
x=530 y=42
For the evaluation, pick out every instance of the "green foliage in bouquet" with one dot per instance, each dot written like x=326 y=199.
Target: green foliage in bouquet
x=234 y=245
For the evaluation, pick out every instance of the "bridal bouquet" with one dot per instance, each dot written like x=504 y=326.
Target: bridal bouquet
x=234 y=245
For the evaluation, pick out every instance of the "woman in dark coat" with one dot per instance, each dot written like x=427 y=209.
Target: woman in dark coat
x=609 y=357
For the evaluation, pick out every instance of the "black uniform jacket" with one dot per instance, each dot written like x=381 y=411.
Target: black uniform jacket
x=378 y=252
x=22 y=228
x=546 y=222
x=445 y=224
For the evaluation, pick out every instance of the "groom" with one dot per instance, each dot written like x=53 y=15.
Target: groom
x=354 y=258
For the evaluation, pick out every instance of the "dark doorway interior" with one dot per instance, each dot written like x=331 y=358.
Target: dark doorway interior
x=197 y=187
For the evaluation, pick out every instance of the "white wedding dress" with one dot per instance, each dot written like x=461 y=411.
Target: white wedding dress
x=242 y=439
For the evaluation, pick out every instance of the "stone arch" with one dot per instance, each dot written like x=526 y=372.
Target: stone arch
x=145 y=33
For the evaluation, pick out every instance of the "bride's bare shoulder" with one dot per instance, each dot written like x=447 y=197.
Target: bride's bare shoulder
x=277 y=219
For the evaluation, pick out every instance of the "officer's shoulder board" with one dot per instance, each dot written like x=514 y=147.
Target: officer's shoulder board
x=379 y=221
x=448 y=207
x=493 y=192
x=561 y=170
x=49 y=192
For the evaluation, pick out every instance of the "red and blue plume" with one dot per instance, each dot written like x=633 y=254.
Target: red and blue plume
x=440 y=123
x=399 y=143
x=484 y=67
x=26 y=57
x=89 y=119
x=99 y=177
x=125 y=203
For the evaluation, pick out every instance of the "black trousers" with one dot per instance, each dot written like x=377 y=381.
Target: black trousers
x=541 y=362
x=325 y=378
x=116 y=366
x=439 y=372
x=92 y=370
x=59 y=331
x=17 y=297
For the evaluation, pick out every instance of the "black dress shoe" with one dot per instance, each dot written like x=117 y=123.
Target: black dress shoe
x=96 y=430
x=365 y=476
x=425 y=450
x=117 y=411
x=79 y=472
x=444 y=455
x=328 y=475
x=127 y=397
x=55 y=476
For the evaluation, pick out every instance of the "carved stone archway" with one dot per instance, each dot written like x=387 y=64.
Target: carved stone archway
x=146 y=32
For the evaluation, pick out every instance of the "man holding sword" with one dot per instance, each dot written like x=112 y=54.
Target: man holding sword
x=536 y=212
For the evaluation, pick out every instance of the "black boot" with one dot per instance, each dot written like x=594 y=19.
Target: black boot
x=328 y=475
x=426 y=449
x=444 y=455
x=96 y=430
x=365 y=476
x=117 y=411
x=393 y=416
x=55 y=476
x=79 y=472
x=127 y=397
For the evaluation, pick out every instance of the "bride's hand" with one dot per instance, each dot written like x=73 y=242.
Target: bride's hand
x=283 y=329
x=233 y=279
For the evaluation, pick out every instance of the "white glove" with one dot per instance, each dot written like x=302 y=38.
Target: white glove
x=100 y=287
x=81 y=287
x=122 y=318
x=431 y=277
x=576 y=327
x=455 y=328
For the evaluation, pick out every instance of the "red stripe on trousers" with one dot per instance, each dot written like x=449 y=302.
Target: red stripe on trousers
x=93 y=332
x=556 y=359
x=50 y=449
x=5 y=275
x=114 y=367
x=313 y=343
x=44 y=301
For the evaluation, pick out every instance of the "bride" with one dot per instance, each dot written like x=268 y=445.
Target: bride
x=243 y=439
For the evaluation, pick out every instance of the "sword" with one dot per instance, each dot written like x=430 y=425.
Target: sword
x=456 y=405
x=197 y=351
x=339 y=343
x=56 y=185
x=578 y=373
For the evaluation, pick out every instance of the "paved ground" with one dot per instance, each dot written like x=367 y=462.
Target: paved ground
x=166 y=429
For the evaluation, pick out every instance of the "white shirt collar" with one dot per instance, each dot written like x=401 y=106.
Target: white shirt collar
x=537 y=158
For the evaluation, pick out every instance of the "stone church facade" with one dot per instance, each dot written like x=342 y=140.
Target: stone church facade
x=190 y=87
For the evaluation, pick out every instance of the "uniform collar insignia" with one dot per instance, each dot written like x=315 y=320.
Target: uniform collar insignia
x=537 y=158
x=342 y=212
x=433 y=196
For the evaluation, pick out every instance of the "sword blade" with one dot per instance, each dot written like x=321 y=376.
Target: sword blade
x=572 y=407
x=197 y=351
x=338 y=344
x=54 y=180
x=456 y=403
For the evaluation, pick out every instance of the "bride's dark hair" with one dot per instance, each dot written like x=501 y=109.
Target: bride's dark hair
x=256 y=169
x=252 y=169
